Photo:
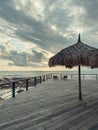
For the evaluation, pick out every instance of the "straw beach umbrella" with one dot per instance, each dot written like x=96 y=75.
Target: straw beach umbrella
x=76 y=55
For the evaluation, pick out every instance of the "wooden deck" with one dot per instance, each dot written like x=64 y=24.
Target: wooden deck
x=53 y=105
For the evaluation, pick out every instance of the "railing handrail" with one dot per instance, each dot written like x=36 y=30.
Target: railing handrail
x=20 y=79
x=36 y=80
x=73 y=74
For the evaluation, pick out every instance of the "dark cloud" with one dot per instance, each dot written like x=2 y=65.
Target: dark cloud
x=2 y=49
x=50 y=30
x=29 y=29
x=91 y=11
x=24 y=59
x=37 y=56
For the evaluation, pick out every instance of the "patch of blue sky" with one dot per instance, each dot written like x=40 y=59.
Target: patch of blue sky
x=18 y=45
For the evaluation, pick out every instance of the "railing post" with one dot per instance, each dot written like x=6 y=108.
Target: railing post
x=61 y=76
x=13 y=89
x=46 y=76
x=71 y=76
x=51 y=75
x=96 y=76
x=43 y=77
x=26 y=84
x=34 y=81
x=83 y=76
x=40 y=79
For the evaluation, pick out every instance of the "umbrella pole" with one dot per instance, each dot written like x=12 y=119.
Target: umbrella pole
x=79 y=74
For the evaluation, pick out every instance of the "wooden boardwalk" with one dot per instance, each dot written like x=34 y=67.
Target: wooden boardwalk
x=53 y=105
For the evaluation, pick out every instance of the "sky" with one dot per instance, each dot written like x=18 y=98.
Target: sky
x=31 y=31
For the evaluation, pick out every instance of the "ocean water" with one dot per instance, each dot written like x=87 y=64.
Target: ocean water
x=9 y=74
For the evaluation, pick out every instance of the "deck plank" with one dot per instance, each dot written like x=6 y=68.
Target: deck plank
x=53 y=105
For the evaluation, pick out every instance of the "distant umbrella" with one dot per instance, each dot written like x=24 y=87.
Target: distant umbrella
x=76 y=55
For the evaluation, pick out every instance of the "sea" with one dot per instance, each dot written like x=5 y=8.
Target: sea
x=20 y=74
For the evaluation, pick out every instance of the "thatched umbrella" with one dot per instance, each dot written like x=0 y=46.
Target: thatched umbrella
x=76 y=54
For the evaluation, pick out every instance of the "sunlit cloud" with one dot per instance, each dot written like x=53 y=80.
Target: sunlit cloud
x=76 y=11
x=53 y=27
x=31 y=31
x=75 y=29
x=52 y=7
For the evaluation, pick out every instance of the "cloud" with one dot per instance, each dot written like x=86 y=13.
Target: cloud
x=2 y=49
x=44 y=27
x=16 y=58
x=39 y=31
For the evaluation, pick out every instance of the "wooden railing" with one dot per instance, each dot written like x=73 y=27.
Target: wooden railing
x=24 y=83
x=18 y=84
x=75 y=76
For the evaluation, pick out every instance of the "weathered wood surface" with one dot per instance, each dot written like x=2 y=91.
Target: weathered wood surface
x=53 y=105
